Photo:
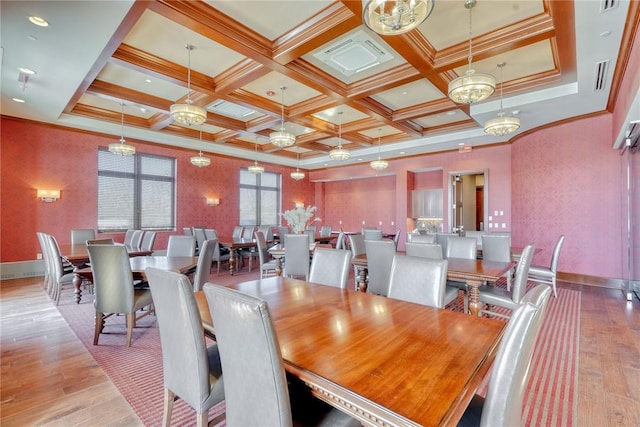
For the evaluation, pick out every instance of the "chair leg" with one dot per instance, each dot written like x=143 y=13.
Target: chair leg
x=202 y=419
x=169 y=398
x=131 y=323
x=98 y=327
x=553 y=284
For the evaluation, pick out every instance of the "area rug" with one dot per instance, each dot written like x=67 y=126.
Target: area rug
x=551 y=398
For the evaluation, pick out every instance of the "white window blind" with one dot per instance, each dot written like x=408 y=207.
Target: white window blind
x=135 y=192
x=260 y=196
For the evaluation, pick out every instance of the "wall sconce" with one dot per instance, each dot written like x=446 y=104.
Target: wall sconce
x=213 y=201
x=299 y=205
x=49 y=195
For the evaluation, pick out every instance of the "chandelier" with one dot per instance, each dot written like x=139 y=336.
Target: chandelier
x=122 y=148
x=339 y=153
x=255 y=168
x=282 y=138
x=379 y=164
x=187 y=113
x=297 y=175
x=200 y=160
x=503 y=124
x=391 y=17
x=471 y=87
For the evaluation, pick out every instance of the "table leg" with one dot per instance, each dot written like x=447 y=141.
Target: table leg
x=473 y=288
x=278 y=266
x=362 y=280
x=77 y=283
x=232 y=261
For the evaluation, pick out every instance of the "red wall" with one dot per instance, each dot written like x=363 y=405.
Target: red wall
x=38 y=156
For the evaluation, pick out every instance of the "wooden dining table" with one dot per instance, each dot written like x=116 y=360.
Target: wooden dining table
x=184 y=265
x=234 y=244
x=78 y=256
x=380 y=360
x=474 y=272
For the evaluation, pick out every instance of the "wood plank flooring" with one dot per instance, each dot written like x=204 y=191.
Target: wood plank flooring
x=48 y=378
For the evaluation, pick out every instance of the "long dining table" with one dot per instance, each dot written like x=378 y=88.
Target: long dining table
x=474 y=272
x=234 y=244
x=383 y=361
x=78 y=256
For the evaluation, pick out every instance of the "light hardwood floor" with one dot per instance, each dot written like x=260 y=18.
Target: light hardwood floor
x=49 y=378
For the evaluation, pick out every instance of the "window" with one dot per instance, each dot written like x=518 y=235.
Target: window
x=259 y=198
x=136 y=192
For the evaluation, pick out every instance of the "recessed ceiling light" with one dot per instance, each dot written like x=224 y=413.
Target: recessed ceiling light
x=36 y=20
x=402 y=152
x=460 y=143
x=451 y=113
x=148 y=80
x=33 y=38
x=144 y=110
x=515 y=112
x=27 y=70
x=605 y=33
x=18 y=100
x=359 y=160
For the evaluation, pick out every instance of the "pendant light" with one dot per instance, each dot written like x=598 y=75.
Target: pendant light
x=200 y=160
x=282 y=138
x=503 y=124
x=391 y=17
x=297 y=175
x=255 y=168
x=122 y=148
x=188 y=114
x=379 y=164
x=339 y=153
x=471 y=87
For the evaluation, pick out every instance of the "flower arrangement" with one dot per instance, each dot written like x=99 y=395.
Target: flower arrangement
x=298 y=218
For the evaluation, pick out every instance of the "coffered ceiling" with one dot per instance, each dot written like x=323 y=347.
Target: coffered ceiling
x=560 y=56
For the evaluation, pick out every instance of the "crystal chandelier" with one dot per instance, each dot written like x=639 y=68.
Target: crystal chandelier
x=471 y=87
x=390 y=17
x=297 y=175
x=339 y=153
x=503 y=124
x=200 y=160
x=255 y=168
x=122 y=148
x=379 y=164
x=187 y=113
x=282 y=138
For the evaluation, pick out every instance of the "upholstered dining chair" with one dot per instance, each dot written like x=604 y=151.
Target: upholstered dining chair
x=357 y=246
x=282 y=231
x=498 y=297
x=128 y=235
x=220 y=255
x=419 y=280
x=59 y=277
x=237 y=232
x=330 y=267
x=311 y=228
x=372 y=234
x=296 y=255
x=497 y=248
x=325 y=231
x=198 y=232
x=113 y=288
x=187 y=231
x=210 y=234
x=443 y=240
x=547 y=275
x=247 y=232
x=462 y=247
x=476 y=234
x=267 y=265
x=43 y=242
x=267 y=230
x=100 y=242
x=80 y=235
x=340 y=241
x=148 y=240
x=396 y=238
x=424 y=250
x=136 y=239
x=502 y=406
x=191 y=371
x=380 y=255
x=255 y=383
x=421 y=238
x=203 y=268
x=181 y=246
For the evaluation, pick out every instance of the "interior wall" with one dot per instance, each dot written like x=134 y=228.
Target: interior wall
x=40 y=156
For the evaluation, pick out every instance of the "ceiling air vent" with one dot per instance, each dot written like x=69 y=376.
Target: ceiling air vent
x=600 y=75
x=607 y=5
x=230 y=110
x=354 y=54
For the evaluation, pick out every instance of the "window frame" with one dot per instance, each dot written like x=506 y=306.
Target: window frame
x=258 y=188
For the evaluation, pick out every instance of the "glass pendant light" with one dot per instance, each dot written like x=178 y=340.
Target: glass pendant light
x=255 y=168
x=379 y=164
x=391 y=17
x=503 y=124
x=297 y=175
x=282 y=138
x=200 y=160
x=188 y=114
x=122 y=148
x=339 y=153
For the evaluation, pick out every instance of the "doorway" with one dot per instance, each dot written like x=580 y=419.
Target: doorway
x=468 y=200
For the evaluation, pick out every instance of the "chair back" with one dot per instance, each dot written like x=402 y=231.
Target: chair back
x=462 y=247
x=372 y=234
x=148 y=240
x=81 y=235
x=443 y=240
x=330 y=267
x=357 y=244
x=396 y=238
x=210 y=234
x=325 y=231
x=198 y=232
x=477 y=235
x=380 y=255
x=311 y=228
x=362 y=230
x=419 y=280
x=247 y=232
x=181 y=246
x=296 y=255
x=519 y=286
x=255 y=383
x=187 y=231
x=185 y=361
x=421 y=238
x=261 y=243
x=267 y=230
x=311 y=234
x=42 y=241
x=203 y=268
x=340 y=243
x=112 y=278
x=136 y=239
x=55 y=258
x=511 y=367
x=424 y=250
x=128 y=235
x=556 y=254
x=496 y=248
x=100 y=242
x=237 y=232
x=282 y=231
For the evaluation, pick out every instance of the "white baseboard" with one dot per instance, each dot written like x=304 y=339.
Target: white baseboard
x=18 y=269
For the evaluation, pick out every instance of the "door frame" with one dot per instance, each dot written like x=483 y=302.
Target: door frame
x=450 y=201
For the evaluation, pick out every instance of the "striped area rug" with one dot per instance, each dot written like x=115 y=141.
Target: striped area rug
x=551 y=398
